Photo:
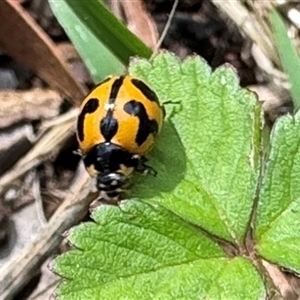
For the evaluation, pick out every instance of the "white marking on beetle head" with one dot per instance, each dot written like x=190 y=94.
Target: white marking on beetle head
x=113 y=176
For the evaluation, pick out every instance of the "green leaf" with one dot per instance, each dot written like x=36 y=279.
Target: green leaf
x=278 y=213
x=207 y=156
x=288 y=54
x=98 y=58
x=142 y=251
x=208 y=161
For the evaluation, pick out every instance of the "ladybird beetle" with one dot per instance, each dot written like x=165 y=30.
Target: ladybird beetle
x=116 y=127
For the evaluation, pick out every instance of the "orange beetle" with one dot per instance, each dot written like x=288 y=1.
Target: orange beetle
x=117 y=126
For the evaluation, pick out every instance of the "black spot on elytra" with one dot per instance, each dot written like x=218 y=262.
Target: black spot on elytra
x=148 y=93
x=146 y=126
x=90 y=107
x=108 y=126
x=115 y=89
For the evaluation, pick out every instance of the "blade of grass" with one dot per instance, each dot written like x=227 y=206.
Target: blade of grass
x=288 y=54
x=108 y=29
x=99 y=60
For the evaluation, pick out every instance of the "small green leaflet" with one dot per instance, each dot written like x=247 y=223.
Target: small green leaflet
x=278 y=215
x=145 y=252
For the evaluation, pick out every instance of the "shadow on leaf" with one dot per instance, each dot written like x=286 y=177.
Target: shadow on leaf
x=168 y=158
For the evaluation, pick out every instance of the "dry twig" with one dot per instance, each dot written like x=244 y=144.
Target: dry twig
x=167 y=26
x=140 y=22
x=47 y=144
x=15 y=274
x=34 y=104
x=252 y=21
x=18 y=31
